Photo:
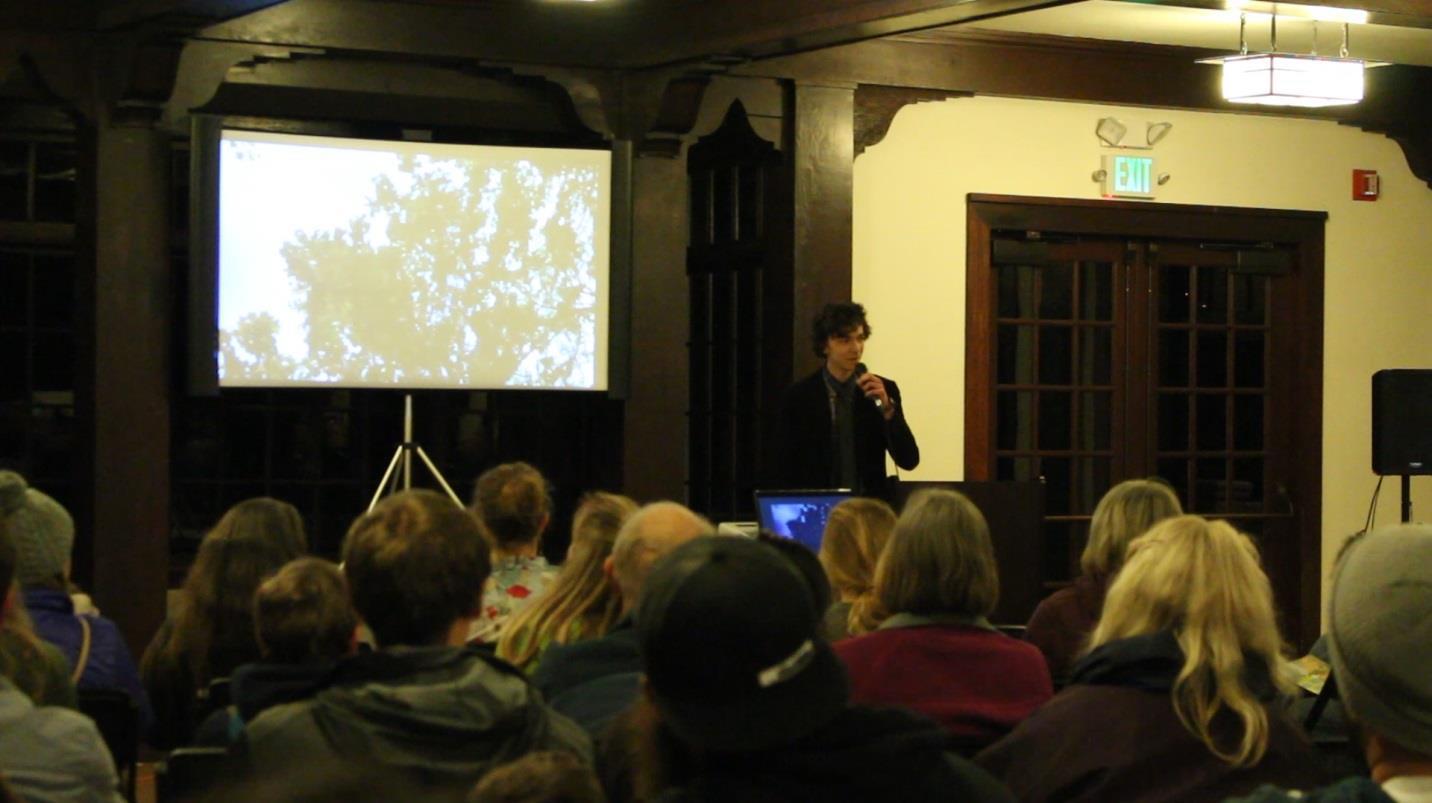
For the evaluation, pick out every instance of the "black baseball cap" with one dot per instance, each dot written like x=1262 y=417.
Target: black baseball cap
x=730 y=642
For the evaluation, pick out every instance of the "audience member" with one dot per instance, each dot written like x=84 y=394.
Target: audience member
x=1329 y=728
x=807 y=563
x=296 y=782
x=543 y=777
x=1380 y=637
x=1179 y=698
x=855 y=534
x=212 y=631
x=591 y=681
x=47 y=754
x=743 y=700
x=94 y=649
x=304 y=623
x=1061 y=624
x=33 y=665
x=582 y=602
x=513 y=506
x=421 y=706
x=936 y=652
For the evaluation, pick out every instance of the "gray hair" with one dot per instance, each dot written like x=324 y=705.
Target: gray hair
x=649 y=533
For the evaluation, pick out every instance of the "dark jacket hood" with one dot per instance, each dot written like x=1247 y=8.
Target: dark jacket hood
x=439 y=712
x=1152 y=663
x=257 y=687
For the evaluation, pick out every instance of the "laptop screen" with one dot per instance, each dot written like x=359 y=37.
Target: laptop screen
x=798 y=515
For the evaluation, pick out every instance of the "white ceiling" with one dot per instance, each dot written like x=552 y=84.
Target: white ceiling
x=1218 y=30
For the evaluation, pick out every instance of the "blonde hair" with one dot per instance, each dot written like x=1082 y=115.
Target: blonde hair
x=581 y=602
x=939 y=559
x=1126 y=512
x=1201 y=579
x=855 y=535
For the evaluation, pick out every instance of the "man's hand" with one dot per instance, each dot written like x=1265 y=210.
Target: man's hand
x=874 y=388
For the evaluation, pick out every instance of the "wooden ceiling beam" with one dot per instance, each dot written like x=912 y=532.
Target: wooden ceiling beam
x=639 y=34
x=113 y=15
x=1395 y=13
x=956 y=62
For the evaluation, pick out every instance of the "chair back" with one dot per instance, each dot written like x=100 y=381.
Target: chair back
x=189 y=772
x=217 y=695
x=116 y=715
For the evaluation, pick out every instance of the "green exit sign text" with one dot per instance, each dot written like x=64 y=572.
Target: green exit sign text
x=1128 y=176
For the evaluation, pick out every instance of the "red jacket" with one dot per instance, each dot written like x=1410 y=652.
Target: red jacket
x=976 y=682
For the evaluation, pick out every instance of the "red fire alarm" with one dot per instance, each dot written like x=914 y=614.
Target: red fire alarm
x=1365 y=185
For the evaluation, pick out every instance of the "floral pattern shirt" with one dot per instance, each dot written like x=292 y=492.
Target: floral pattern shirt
x=513 y=582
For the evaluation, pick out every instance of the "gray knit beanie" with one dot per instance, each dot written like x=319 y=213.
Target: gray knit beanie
x=1380 y=633
x=40 y=527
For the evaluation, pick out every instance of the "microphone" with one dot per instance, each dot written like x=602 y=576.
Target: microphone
x=861 y=370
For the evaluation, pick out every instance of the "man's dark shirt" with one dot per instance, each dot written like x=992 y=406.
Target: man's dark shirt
x=842 y=397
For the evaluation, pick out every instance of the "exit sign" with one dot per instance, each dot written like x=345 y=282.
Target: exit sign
x=1128 y=176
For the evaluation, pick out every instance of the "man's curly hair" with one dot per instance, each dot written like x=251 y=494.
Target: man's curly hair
x=836 y=319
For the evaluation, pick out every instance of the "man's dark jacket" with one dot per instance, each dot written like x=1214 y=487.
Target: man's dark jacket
x=593 y=680
x=806 y=451
x=864 y=754
x=437 y=716
x=567 y=666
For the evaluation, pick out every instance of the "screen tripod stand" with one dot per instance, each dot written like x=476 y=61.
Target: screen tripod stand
x=404 y=454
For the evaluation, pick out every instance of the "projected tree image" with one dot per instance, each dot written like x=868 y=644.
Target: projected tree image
x=454 y=266
x=252 y=348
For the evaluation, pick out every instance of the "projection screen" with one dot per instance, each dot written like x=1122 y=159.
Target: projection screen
x=363 y=263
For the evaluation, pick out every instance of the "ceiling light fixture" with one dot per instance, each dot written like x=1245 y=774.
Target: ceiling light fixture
x=1290 y=79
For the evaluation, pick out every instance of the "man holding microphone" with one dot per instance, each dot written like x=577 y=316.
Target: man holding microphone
x=837 y=424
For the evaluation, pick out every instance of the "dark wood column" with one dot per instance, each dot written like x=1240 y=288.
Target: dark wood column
x=126 y=232
x=822 y=151
x=656 y=407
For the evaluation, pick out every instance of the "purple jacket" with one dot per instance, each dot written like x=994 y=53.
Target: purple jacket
x=110 y=664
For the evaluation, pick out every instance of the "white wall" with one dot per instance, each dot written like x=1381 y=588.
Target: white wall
x=909 y=252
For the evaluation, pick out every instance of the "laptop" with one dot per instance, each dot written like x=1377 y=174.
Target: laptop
x=798 y=515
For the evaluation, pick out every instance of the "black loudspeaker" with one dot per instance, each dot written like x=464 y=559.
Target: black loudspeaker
x=1402 y=422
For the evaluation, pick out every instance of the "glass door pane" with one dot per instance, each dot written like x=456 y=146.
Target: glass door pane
x=1059 y=357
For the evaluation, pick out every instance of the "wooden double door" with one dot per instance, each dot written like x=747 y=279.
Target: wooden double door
x=1105 y=345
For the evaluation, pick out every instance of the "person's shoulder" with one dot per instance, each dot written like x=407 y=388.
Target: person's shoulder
x=567 y=665
x=1348 y=790
x=560 y=657
x=808 y=385
x=861 y=643
x=66 y=743
x=279 y=718
x=105 y=632
x=69 y=735
x=1014 y=645
x=868 y=649
x=1056 y=605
